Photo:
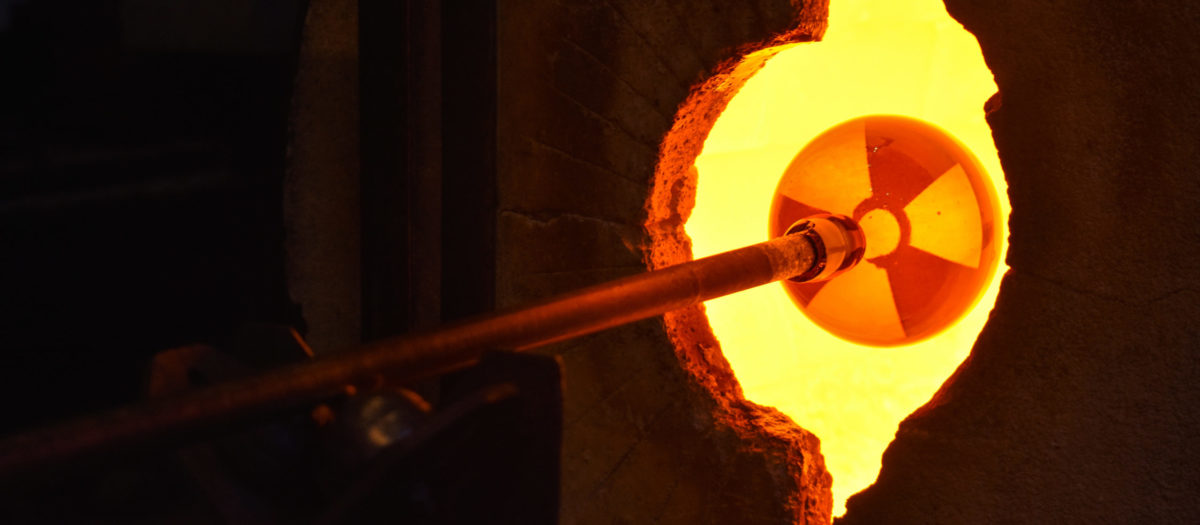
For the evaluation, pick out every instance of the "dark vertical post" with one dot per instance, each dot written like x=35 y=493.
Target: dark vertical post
x=469 y=157
x=425 y=166
x=386 y=186
x=401 y=106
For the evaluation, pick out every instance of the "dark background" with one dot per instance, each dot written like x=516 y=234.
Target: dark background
x=145 y=156
x=142 y=152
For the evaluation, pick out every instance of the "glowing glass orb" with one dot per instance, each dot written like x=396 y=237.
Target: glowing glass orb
x=929 y=215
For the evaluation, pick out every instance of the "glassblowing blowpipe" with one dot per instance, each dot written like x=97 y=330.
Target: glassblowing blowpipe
x=411 y=357
x=897 y=193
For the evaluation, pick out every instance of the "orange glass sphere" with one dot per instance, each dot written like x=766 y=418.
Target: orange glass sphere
x=929 y=216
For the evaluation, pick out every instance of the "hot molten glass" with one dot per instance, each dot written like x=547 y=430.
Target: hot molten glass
x=928 y=215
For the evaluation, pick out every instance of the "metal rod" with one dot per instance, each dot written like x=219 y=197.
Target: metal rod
x=410 y=357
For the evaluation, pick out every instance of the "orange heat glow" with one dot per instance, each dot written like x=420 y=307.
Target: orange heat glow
x=878 y=57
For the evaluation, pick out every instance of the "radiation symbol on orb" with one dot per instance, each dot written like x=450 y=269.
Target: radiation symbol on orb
x=929 y=216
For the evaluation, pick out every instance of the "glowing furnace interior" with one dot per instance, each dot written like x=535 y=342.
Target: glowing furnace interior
x=877 y=57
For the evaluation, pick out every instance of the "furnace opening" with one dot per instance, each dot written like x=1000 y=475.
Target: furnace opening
x=877 y=57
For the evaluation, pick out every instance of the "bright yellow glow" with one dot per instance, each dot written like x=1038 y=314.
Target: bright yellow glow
x=878 y=57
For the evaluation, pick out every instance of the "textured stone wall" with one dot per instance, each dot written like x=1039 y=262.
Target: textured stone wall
x=1080 y=402
x=587 y=92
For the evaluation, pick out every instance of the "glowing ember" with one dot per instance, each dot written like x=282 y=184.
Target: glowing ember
x=878 y=57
